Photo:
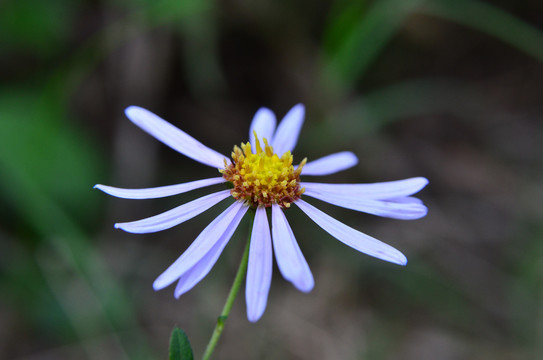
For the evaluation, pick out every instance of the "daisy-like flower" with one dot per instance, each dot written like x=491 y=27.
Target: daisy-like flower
x=263 y=176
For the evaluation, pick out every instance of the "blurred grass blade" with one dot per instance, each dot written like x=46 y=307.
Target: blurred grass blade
x=180 y=348
x=350 y=54
x=388 y=104
x=352 y=44
x=42 y=184
x=492 y=20
x=383 y=106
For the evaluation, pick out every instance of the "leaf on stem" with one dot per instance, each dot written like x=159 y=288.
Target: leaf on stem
x=180 y=348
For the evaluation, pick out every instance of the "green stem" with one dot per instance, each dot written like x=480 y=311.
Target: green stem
x=242 y=270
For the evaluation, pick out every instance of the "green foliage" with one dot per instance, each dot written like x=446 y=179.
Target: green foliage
x=37 y=26
x=492 y=20
x=47 y=172
x=44 y=149
x=358 y=33
x=180 y=348
x=163 y=11
x=357 y=37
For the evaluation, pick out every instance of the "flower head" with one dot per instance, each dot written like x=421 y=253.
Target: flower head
x=264 y=177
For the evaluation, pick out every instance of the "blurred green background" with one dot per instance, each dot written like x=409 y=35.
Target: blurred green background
x=446 y=89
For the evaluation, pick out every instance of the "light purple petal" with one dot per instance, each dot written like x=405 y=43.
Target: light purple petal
x=330 y=164
x=290 y=260
x=193 y=276
x=174 y=138
x=379 y=191
x=392 y=209
x=199 y=247
x=264 y=124
x=259 y=268
x=174 y=216
x=351 y=237
x=158 y=192
x=406 y=200
x=287 y=133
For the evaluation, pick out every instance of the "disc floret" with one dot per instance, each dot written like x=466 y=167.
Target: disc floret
x=263 y=178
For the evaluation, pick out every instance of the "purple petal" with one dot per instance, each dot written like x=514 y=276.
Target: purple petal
x=200 y=247
x=379 y=191
x=393 y=209
x=174 y=138
x=259 y=268
x=406 y=200
x=290 y=260
x=158 y=192
x=351 y=237
x=193 y=276
x=264 y=124
x=330 y=164
x=174 y=216
x=287 y=133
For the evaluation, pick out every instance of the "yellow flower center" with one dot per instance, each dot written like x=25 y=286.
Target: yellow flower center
x=264 y=178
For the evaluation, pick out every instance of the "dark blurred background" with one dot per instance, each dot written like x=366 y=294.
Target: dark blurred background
x=446 y=89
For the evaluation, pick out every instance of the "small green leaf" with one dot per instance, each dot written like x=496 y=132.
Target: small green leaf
x=180 y=346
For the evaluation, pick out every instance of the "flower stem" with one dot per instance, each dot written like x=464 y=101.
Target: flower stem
x=242 y=270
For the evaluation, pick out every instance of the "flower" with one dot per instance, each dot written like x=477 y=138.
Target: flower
x=265 y=178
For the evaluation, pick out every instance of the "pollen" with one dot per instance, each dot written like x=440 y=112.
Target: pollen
x=263 y=178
